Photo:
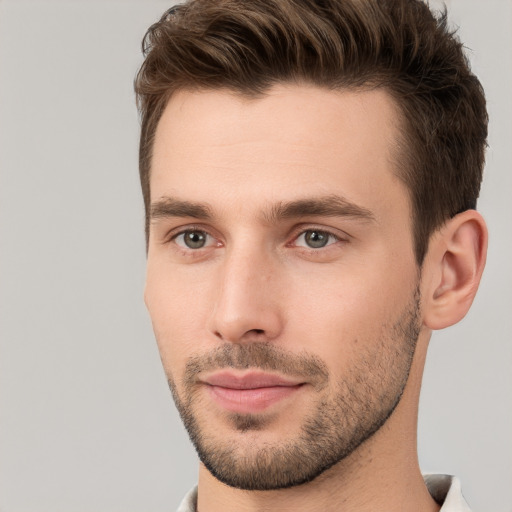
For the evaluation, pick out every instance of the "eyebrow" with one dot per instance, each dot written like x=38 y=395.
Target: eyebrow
x=327 y=206
x=171 y=207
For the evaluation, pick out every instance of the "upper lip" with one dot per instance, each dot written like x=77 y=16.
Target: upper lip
x=250 y=380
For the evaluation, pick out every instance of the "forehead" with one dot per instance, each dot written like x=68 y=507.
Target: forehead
x=292 y=141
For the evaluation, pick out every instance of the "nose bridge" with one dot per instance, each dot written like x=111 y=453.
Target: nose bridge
x=246 y=301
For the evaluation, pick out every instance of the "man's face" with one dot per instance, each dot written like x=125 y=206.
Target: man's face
x=281 y=280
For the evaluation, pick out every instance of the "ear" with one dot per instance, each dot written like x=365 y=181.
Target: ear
x=453 y=268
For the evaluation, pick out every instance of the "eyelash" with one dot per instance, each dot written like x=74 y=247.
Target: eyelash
x=329 y=234
x=171 y=238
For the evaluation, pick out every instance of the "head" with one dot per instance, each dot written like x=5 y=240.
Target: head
x=306 y=169
x=398 y=46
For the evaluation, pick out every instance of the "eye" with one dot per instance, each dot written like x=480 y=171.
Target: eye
x=192 y=239
x=315 y=239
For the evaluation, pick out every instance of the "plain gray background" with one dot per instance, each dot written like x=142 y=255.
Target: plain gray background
x=86 y=419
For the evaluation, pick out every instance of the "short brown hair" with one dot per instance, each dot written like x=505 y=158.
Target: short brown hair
x=248 y=45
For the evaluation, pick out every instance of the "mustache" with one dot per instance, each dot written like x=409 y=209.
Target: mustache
x=261 y=356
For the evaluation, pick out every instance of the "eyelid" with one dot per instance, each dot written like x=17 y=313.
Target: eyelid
x=331 y=240
x=180 y=240
x=339 y=235
x=296 y=232
x=175 y=232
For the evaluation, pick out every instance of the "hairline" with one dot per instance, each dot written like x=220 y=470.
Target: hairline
x=399 y=148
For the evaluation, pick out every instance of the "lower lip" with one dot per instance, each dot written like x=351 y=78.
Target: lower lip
x=247 y=401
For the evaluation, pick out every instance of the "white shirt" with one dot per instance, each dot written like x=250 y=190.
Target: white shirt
x=445 y=489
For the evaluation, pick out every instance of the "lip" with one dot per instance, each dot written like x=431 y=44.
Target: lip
x=248 y=380
x=250 y=392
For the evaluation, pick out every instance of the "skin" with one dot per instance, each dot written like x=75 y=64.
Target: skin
x=256 y=281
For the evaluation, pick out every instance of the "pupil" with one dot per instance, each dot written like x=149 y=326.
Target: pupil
x=316 y=239
x=195 y=239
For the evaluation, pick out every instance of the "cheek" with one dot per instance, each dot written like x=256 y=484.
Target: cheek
x=340 y=314
x=178 y=314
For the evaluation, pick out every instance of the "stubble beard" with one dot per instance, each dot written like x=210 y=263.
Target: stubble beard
x=339 y=424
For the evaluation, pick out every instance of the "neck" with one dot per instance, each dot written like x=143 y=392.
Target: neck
x=382 y=475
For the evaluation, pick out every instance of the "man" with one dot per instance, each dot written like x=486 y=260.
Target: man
x=310 y=171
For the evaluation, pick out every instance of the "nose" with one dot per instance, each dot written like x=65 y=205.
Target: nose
x=247 y=304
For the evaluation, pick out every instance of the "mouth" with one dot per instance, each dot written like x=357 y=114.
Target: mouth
x=250 y=392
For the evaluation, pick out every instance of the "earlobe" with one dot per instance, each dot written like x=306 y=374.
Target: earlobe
x=453 y=269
